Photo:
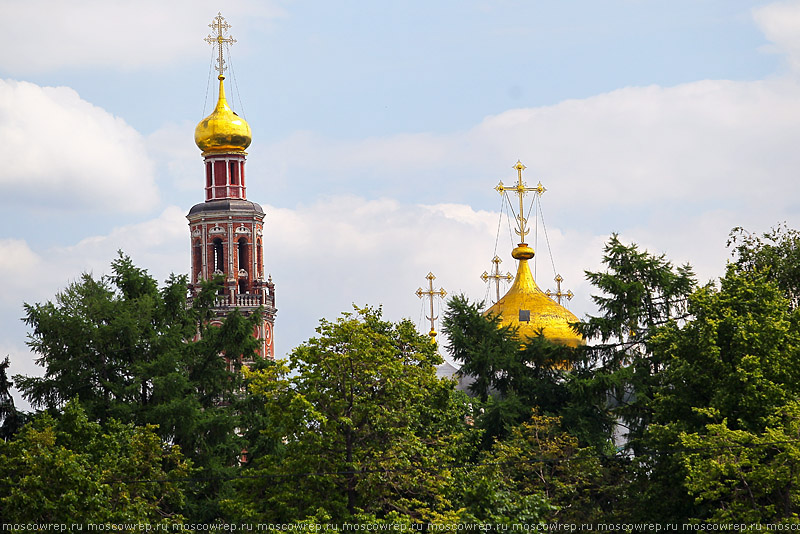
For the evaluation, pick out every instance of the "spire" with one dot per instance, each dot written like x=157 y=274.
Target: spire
x=431 y=294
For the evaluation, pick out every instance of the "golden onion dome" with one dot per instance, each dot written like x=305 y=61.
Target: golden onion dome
x=526 y=307
x=223 y=131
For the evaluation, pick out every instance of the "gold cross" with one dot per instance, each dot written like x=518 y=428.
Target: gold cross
x=431 y=294
x=220 y=26
x=496 y=276
x=558 y=294
x=520 y=189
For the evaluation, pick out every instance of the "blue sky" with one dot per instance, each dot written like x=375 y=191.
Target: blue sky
x=379 y=132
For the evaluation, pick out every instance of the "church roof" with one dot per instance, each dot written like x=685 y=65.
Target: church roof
x=226 y=204
x=530 y=310
x=525 y=306
x=223 y=131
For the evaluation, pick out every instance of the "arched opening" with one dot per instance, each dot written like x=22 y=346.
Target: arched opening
x=197 y=260
x=219 y=256
x=259 y=259
x=234 y=173
x=241 y=250
x=242 y=254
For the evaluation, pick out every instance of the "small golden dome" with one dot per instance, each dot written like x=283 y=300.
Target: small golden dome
x=222 y=131
x=526 y=307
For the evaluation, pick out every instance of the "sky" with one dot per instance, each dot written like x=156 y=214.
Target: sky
x=380 y=130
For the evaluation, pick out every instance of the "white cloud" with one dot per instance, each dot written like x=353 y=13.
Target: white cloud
x=703 y=145
x=323 y=257
x=345 y=249
x=161 y=245
x=47 y=34
x=63 y=152
x=780 y=22
x=16 y=263
x=172 y=148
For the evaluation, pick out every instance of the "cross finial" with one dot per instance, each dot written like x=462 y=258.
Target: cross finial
x=431 y=294
x=496 y=276
x=520 y=189
x=558 y=294
x=219 y=27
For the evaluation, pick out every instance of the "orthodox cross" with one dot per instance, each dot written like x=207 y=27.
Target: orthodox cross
x=219 y=26
x=496 y=276
x=558 y=294
x=431 y=294
x=520 y=189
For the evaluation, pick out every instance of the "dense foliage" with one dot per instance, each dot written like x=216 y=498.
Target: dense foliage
x=681 y=407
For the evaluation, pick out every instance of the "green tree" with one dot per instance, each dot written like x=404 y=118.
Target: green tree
x=72 y=470
x=736 y=475
x=367 y=428
x=11 y=419
x=512 y=377
x=130 y=351
x=740 y=355
x=482 y=345
x=639 y=293
x=106 y=340
x=776 y=254
x=538 y=473
x=728 y=371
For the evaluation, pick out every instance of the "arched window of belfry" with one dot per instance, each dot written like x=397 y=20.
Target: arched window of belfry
x=242 y=254
x=197 y=258
x=260 y=259
x=219 y=256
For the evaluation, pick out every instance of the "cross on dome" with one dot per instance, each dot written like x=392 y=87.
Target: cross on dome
x=496 y=276
x=221 y=27
x=431 y=294
x=558 y=294
x=520 y=189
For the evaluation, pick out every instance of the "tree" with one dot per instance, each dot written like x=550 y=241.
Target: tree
x=128 y=351
x=367 y=428
x=72 y=469
x=776 y=254
x=11 y=419
x=511 y=377
x=727 y=372
x=740 y=355
x=106 y=340
x=537 y=474
x=481 y=345
x=737 y=476
x=640 y=293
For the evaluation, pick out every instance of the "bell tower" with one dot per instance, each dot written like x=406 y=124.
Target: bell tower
x=227 y=229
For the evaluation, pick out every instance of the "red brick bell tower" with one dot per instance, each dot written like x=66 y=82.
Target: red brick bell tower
x=227 y=229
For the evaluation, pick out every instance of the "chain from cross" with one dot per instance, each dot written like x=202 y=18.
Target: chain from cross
x=496 y=276
x=431 y=294
x=558 y=294
x=520 y=189
x=219 y=26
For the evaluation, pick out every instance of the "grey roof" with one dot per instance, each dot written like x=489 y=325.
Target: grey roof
x=227 y=204
x=448 y=370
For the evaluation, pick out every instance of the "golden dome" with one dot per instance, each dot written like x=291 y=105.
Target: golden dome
x=222 y=131
x=524 y=300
